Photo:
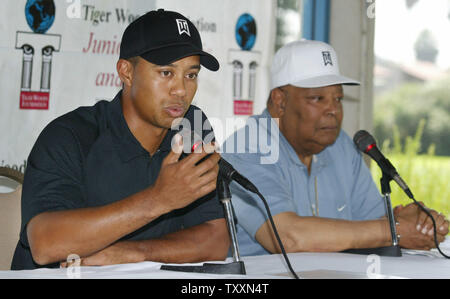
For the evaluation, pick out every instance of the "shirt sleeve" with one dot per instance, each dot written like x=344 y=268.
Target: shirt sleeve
x=203 y=209
x=53 y=176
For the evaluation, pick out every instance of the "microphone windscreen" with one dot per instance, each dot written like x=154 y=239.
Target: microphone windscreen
x=191 y=140
x=363 y=140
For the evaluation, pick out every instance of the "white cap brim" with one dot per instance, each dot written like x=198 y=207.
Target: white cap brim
x=326 y=80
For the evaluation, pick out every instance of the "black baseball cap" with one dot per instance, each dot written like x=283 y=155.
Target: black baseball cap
x=162 y=37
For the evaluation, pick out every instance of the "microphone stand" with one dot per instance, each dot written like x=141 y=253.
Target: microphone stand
x=235 y=267
x=394 y=249
x=223 y=189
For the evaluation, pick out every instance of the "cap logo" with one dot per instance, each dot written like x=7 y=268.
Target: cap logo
x=327 y=58
x=183 y=27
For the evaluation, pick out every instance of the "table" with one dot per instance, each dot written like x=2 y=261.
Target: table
x=413 y=264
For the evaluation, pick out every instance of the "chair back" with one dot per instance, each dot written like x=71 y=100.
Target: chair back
x=10 y=216
x=9 y=226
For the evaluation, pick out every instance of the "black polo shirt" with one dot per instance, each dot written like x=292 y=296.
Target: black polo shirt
x=88 y=158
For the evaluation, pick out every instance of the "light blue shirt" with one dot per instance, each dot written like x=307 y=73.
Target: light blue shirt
x=339 y=182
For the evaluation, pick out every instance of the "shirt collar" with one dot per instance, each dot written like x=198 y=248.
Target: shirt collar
x=320 y=160
x=124 y=140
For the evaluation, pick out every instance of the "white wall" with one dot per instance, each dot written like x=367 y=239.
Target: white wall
x=352 y=27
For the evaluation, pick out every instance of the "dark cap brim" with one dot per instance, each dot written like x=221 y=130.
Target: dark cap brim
x=169 y=54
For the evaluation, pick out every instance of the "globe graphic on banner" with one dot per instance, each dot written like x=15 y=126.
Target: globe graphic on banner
x=40 y=14
x=246 y=32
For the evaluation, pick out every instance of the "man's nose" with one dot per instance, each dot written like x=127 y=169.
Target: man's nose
x=333 y=106
x=178 y=87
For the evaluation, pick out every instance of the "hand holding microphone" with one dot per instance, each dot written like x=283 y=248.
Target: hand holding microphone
x=182 y=181
x=193 y=143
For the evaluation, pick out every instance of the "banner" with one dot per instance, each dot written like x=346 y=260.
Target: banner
x=57 y=55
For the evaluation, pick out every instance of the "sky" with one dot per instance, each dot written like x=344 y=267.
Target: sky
x=397 y=28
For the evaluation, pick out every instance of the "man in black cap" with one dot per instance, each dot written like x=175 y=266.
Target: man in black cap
x=103 y=183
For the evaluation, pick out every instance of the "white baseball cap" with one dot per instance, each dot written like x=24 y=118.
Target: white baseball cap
x=307 y=64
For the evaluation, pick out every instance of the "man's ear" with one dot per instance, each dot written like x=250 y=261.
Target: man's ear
x=125 y=71
x=279 y=99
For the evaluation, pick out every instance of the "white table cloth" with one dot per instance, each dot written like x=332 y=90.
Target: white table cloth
x=413 y=264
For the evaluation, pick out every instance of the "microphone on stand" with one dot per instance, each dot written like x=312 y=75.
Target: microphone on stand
x=227 y=173
x=367 y=144
x=190 y=143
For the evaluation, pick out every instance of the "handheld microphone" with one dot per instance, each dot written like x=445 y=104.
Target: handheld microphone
x=226 y=170
x=367 y=144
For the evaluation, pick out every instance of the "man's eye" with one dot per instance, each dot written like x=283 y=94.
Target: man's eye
x=192 y=76
x=166 y=73
x=315 y=98
x=339 y=99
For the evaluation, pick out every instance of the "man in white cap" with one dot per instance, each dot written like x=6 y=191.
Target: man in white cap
x=319 y=190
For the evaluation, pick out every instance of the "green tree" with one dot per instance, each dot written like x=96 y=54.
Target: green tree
x=406 y=106
x=426 y=47
x=411 y=3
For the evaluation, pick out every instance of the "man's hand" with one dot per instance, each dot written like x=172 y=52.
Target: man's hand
x=203 y=242
x=425 y=224
x=118 y=253
x=416 y=228
x=179 y=183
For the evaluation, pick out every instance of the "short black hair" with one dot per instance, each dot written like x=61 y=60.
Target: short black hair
x=133 y=60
